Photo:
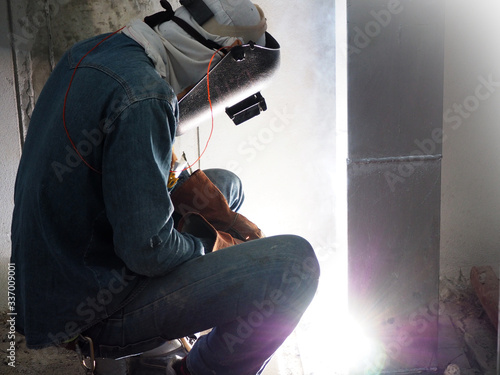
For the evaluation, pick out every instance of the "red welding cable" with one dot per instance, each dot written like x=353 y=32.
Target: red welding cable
x=211 y=108
x=66 y=99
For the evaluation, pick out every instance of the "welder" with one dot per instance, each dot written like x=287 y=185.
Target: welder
x=118 y=251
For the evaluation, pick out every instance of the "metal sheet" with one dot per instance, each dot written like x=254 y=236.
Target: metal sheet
x=395 y=109
x=394 y=257
x=395 y=78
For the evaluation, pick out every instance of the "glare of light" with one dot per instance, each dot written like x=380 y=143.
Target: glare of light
x=331 y=341
x=364 y=354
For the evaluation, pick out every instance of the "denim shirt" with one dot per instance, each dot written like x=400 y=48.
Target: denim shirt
x=91 y=227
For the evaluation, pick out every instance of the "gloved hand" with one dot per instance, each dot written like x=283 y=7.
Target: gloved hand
x=174 y=159
x=195 y=224
x=208 y=243
x=198 y=194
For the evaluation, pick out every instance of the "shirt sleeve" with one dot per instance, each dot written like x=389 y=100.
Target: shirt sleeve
x=136 y=165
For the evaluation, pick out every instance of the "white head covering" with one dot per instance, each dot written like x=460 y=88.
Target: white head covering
x=183 y=61
x=237 y=18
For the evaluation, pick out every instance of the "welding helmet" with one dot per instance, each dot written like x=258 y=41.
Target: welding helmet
x=235 y=80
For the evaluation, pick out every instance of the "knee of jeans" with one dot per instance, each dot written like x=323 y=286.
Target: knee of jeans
x=229 y=184
x=303 y=254
x=300 y=275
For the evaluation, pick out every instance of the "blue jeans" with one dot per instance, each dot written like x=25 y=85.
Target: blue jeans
x=252 y=295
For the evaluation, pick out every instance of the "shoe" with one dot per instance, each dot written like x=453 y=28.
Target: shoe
x=153 y=365
x=107 y=366
x=156 y=362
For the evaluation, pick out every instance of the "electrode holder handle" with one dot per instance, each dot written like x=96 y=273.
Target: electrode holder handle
x=247 y=108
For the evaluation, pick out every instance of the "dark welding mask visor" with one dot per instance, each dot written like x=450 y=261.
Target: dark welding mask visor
x=235 y=85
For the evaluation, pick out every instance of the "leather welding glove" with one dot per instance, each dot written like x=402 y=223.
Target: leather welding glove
x=174 y=159
x=198 y=194
x=195 y=224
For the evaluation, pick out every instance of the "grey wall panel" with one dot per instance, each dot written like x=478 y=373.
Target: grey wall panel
x=395 y=108
x=395 y=78
x=393 y=259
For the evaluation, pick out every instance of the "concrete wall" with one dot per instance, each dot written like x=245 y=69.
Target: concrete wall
x=44 y=29
x=471 y=166
x=10 y=149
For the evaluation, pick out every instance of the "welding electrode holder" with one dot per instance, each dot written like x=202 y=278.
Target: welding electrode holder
x=247 y=109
